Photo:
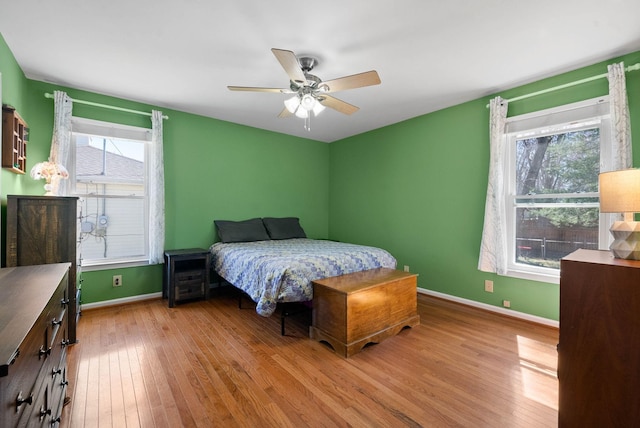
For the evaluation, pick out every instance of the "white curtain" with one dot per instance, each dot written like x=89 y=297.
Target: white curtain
x=156 y=191
x=61 y=139
x=620 y=124
x=493 y=248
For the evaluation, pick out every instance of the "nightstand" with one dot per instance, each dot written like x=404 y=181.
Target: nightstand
x=186 y=275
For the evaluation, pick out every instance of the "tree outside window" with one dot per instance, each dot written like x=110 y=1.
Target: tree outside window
x=554 y=215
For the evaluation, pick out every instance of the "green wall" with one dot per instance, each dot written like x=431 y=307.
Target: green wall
x=417 y=188
x=213 y=170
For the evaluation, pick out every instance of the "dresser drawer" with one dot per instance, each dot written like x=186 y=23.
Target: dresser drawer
x=58 y=382
x=58 y=355
x=59 y=304
x=19 y=387
x=42 y=413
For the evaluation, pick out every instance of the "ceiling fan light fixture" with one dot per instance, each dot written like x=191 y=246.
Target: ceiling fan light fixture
x=308 y=102
x=292 y=103
x=302 y=113
x=310 y=93
x=318 y=108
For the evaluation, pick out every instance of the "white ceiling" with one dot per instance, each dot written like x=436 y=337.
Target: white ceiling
x=430 y=54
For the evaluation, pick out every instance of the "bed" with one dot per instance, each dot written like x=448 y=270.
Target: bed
x=278 y=264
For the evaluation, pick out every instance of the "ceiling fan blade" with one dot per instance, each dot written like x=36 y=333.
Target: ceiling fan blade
x=254 y=89
x=368 y=78
x=339 y=105
x=290 y=64
x=285 y=113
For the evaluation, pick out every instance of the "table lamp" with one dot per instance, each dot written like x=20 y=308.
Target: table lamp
x=620 y=193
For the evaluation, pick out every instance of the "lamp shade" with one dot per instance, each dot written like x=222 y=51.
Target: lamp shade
x=302 y=113
x=292 y=103
x=308 y=102
x=318 y=108
x=620 y=191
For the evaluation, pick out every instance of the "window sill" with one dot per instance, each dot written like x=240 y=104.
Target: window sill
x=550 y=278
x=114 y=265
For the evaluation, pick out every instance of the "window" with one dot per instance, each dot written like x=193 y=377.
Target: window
x=110 y=175
x=554 y=159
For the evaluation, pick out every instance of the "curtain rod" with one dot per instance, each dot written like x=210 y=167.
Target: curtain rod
x=568 y=85
x=91 y=103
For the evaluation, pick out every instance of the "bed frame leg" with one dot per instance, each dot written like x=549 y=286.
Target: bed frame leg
x=283 y=316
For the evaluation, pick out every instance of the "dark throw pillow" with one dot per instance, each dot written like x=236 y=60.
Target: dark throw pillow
x=284 y=228
x=241 y=231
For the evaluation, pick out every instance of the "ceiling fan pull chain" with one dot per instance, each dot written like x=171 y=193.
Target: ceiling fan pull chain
x=307 y=123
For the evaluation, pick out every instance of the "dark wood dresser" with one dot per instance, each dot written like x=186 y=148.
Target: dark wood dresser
x=33 y=341
x=44 y=229
x=599 y=349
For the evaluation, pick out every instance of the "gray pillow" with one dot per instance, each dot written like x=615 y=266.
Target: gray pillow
x=284 y=228
x=241 y=231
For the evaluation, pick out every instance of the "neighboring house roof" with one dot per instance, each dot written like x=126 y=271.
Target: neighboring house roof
x=92 y=166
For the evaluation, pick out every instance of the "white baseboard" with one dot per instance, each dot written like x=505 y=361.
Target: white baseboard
x=473 y=303
x=491 y=308
x=121 y=301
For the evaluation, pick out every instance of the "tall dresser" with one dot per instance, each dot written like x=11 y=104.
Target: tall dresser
x=44 y=229
x=33 y=344
x=599 y=349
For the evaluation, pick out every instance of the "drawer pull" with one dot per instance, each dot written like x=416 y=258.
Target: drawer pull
x=44 y=352
x=64 y=383
x=64 y=342
x=44 y=412
x=55 y=372
x=56 y=322
x=20 y=401
x=64 y=302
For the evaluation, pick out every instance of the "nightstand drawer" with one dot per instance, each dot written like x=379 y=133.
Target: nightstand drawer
x=192 y=276
x=189 y=290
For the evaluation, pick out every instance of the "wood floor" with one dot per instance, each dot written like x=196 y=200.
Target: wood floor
x=206 y=364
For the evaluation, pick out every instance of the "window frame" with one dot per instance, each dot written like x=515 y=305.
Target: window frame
x=119 y=131
x=560 y=115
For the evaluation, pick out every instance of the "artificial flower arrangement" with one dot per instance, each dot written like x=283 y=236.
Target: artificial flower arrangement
x=47 y=171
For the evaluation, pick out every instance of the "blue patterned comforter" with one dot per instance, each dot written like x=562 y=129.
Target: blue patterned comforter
x=282 y=270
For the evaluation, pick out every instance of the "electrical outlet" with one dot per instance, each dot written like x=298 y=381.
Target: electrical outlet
x=488 y=286
x=406 y=268
x=506 y=303
x=117 y=280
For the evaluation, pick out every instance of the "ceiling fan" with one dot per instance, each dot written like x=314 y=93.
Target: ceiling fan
x=310 y=93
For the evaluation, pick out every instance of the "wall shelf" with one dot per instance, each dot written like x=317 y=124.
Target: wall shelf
x=15 y=135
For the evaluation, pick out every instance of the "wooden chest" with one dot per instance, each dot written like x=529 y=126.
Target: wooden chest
x=350 y=311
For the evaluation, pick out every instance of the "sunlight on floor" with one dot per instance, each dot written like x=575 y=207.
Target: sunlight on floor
x=538 y=367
